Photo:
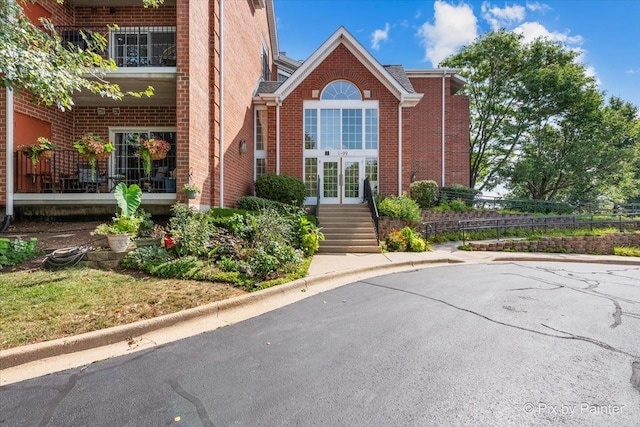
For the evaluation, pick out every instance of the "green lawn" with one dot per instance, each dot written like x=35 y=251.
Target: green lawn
x=43 y=305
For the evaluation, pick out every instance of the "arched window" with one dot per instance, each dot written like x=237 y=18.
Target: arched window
x=341 y=90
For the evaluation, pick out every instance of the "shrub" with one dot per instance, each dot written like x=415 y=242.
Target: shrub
x=401 y=207
x=404 y=240
x=309 y=235
x=252 y=203
x=145 y=258
x=191 y=230
x=270 y=227
x=457 y=191
x=281 y=188
x=266 y=262
x=425 y=193
x=181 y=268
x=13 y=252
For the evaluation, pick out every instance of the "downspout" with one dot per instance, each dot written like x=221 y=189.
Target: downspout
x=278 y=137
x=400 y=148
x=9 y=155
x=444 y=75
x=221 y=112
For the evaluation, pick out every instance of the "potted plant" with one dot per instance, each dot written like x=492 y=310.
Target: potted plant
x=152 y=149
x=94 y=147
x=43 y=149
x=125 y=224
x=190 y=190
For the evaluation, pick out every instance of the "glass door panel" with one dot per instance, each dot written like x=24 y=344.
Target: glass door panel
x=330 y=181
x=351 y=188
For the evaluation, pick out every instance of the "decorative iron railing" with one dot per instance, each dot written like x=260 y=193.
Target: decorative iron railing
x=140 y=46
x=67 y=171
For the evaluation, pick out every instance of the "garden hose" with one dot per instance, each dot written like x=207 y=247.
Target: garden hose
x=65 y=257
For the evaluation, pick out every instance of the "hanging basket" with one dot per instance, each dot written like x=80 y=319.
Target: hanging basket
x=46 y=155
x=158 y=156
x=103 y=156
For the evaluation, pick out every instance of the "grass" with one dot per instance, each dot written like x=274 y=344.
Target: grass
x=627 y=251
x=42 y=305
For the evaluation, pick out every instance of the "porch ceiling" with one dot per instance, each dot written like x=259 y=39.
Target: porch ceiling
x=164 y=91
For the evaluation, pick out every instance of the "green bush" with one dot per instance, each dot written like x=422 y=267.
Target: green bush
x=425 y=193
x=252 y=203
x=457 y=191
x=191 y=230
x=405 y=240
x=145 y=258
x=14 y=252
x=309 y=235
x=402 y=207
x=281 y=188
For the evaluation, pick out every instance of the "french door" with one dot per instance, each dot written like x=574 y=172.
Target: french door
x=341 y=179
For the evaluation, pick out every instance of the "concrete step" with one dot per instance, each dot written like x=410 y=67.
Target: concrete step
x=349 y=249
x=335 y=235
x=351 y=242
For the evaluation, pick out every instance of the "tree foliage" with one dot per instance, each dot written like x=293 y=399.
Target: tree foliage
x=539 y=124
x=37 y=59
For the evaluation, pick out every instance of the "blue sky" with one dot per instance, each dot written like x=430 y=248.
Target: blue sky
x=420 y=33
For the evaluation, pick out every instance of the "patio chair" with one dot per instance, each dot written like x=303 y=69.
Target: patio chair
x=90 y=183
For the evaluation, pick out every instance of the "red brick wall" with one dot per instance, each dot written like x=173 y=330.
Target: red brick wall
x=125 y=16
x=427 y=133
x=214 y=82
x=340 y=64
x=245 y=31
x=87 y=121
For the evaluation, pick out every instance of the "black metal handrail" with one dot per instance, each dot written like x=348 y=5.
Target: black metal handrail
x=371 y=201
x=318 y=197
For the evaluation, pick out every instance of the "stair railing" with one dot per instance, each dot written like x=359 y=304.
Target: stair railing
x=318 y=198
x=373 y=209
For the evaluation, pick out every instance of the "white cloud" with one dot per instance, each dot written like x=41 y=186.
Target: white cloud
x=453 y=27
x=379 y=36
x=538 y=7
x=533 y=30
x=502 y=17
x=636 y=71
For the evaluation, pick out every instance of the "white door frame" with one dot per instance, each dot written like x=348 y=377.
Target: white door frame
x=341 y=180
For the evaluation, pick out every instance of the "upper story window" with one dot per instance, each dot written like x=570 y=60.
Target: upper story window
x=144 y=46
x=266 y=71
x=341 y=90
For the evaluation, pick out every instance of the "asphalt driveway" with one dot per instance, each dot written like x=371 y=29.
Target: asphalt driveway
x=496 y=344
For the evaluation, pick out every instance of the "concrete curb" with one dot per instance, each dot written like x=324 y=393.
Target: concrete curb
x=29 y=353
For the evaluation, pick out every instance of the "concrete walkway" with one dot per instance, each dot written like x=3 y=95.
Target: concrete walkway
x=326 y=272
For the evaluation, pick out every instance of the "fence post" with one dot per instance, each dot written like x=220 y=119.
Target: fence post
x=620 y=223
x=497 y=230
x=461 y=230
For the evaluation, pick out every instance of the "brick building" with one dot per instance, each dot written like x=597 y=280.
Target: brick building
x=232 y=107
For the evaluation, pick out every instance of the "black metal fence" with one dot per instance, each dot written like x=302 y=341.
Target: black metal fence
x=501 y=227
x=371 y=201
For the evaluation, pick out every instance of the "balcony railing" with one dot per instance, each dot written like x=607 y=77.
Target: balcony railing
x=142 y=46
x=67 y=171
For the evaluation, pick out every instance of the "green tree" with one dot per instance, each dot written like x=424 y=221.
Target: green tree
x=512 y=87
x=583 y=155
x=36 y=58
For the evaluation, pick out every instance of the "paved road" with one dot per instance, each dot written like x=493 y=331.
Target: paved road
x=497 y=345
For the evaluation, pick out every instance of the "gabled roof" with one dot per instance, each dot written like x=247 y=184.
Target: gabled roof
x=398 y=73
x=402 y=89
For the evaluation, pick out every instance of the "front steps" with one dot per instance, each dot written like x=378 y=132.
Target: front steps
x=347 y=229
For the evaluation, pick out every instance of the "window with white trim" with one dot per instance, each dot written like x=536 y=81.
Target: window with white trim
x=260 y=143
x=340 y=128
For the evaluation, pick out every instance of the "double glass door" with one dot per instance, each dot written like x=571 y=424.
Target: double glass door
x=341 y=179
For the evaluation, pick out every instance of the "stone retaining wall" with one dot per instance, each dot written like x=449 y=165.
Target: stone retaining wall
x=575 y=245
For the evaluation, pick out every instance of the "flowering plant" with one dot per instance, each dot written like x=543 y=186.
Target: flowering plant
x=93 y=146
x=152 y=149
x=34 y=151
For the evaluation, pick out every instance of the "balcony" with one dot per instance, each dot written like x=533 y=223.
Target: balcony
x=144 y=55
x=67 y=178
